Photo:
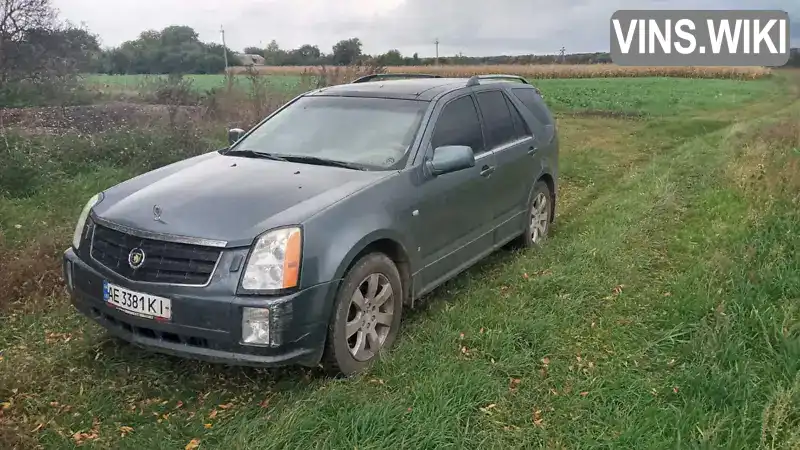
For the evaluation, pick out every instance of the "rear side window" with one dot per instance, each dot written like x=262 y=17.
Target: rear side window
x=497 y=118
x=458 y=124
x=531 y=100
x=521 y=127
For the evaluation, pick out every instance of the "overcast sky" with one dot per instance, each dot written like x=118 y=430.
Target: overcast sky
x=472 y=27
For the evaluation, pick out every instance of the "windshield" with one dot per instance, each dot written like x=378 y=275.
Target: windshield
x=371 y=132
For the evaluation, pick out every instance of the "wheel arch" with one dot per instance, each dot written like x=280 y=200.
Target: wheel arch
x=551 y=185
x=389 y=244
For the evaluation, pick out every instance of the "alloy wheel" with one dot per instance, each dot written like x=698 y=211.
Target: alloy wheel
x=369 y=316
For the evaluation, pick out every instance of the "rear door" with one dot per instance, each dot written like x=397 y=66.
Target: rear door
x=455 y=213
x=515 y=150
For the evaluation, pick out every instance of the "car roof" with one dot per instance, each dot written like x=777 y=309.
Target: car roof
x=425 y=89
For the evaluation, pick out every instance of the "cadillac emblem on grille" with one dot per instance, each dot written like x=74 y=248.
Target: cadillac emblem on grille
x=136 y=258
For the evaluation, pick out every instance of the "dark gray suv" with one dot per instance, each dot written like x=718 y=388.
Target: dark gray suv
x=303 y=241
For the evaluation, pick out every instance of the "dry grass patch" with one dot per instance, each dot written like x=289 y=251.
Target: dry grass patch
x=767 y=161
x=30 y=277
x=553 y=71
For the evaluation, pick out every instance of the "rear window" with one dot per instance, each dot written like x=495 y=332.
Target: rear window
x=534 y=103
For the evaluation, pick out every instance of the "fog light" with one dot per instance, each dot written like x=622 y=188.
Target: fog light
x=255 y=326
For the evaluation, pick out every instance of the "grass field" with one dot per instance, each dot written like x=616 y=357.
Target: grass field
x=664 y=311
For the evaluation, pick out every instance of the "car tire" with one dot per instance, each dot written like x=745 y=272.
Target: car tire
x=365 y=314
x=539 y=216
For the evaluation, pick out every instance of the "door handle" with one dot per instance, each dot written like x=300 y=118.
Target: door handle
x=532 y=149
x=487 y=170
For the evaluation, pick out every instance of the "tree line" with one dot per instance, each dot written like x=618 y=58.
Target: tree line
x=178 y=49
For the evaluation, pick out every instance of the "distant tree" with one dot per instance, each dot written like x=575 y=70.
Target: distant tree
x=19 y=19
x=273 y=55
x=254 y=51
x=391 y=58
x=347 y=51
x=175 y=49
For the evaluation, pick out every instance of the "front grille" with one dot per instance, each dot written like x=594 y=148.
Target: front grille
x=164 y=262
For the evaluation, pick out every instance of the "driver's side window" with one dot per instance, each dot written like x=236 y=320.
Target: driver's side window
x=458 y=124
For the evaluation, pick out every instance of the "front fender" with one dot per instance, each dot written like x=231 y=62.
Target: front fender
x=332 y=244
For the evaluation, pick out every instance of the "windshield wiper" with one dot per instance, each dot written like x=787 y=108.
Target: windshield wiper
x=322 y=161
x=255 y=154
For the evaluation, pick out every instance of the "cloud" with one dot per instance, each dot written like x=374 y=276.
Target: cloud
x=473 y=27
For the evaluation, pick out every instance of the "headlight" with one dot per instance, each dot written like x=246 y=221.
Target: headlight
x=255 y=326
x=274 y=261
x=76 y=237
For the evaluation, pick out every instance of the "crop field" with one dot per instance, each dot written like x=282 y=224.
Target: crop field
x=558 y=71
x=663 y=311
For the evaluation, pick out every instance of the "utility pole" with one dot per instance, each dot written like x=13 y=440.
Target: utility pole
x=224 y=48
x=437 y=50
x=562 y=53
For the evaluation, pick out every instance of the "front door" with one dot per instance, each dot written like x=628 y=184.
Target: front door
x=455 y=209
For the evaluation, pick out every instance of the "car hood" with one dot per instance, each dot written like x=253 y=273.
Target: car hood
x=229 y=198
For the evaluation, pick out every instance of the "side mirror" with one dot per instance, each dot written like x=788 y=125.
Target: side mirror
x=234 y=134
x=451 y=158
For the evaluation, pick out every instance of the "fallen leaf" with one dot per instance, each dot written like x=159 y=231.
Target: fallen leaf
x=207 y=426
x=482 y=330
x=675 y=389
x=537 y=417
x=618 y=289
x=488 y=407
x=226 y=406
x=125 y=430
x=461 y=336
x=38 y=427
x=193 y=444
x=514 y=383
x=264 y=403
x=525 y=275
x=584 y=393
x=545 y=361
x=667 y=294
x=212 y=414
x=179 y=404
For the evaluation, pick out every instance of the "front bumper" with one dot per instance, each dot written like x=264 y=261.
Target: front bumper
x=206 y=321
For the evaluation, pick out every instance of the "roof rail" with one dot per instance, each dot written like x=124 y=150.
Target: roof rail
x=375 y=76
x=476 y=80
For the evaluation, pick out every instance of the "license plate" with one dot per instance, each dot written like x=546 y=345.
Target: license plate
x=137 y=303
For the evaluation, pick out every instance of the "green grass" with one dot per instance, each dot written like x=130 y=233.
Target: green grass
x=652 y=96
x=664 y=312
x=202 y=83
